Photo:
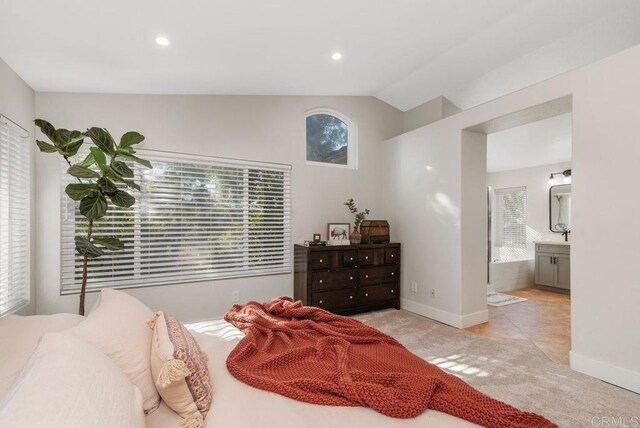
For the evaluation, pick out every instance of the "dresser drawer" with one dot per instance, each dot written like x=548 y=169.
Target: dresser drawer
x=322 y=281
x=378 y=294
x=390 y=255
x=377 y=275
x=335 y=300
x=319 y=260
x=350 y=258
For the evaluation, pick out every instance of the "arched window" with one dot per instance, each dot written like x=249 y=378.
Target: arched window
x=331 y=138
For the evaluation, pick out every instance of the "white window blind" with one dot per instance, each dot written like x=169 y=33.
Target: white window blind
x=195 y=218
x=511 y=218
x=15 y=195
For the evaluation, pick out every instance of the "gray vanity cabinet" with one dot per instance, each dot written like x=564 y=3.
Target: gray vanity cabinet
x=552 y=266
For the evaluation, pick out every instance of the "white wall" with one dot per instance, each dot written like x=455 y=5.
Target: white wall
x=537 y=182
x=425 y=183
x=245 y=127
x=17 y=102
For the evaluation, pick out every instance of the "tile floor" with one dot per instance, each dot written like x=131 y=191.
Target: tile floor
x=542 y=324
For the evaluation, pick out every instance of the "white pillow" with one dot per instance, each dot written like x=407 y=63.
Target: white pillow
x=70 y=384
x=117 y=326
x=20 y=337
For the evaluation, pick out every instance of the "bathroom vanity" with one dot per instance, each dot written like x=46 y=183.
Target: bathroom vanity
x=552 y=271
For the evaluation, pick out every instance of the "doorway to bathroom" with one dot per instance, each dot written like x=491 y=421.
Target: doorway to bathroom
x=528 y=236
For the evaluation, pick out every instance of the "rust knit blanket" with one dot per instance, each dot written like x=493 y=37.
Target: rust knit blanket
x=312 y=355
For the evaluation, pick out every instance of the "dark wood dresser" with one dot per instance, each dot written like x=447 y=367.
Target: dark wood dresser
x=348 y=279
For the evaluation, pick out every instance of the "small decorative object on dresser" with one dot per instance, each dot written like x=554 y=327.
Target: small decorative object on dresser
x=375 y=231
x=317 y=237
x=337 y=233
x=348 y=278
x=356 y=237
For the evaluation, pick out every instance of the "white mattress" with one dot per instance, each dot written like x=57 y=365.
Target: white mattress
x=236 y=405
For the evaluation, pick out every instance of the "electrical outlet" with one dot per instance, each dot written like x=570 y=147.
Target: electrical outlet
x=433 y=293
x=235 y=297
x=414 y=286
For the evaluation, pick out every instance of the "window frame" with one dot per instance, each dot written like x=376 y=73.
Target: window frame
x=498 y=238
x=287 y=267
x=352 y=138
x=21 y=137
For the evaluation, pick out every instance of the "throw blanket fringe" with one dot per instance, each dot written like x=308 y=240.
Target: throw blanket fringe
x=312 y=355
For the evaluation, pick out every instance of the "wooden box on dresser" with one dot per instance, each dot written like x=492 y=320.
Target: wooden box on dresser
x=348 y=279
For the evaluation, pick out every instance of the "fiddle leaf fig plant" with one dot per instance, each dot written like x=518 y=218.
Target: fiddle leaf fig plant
x=97 y=177
x=360 y=216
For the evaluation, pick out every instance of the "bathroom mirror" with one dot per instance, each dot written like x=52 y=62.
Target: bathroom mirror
x=560 y=208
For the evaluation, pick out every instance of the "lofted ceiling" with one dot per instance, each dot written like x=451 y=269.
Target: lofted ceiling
x=539 y=143
x=404 y=52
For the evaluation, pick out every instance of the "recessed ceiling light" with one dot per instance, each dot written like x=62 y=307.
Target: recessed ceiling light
x=162 y=41
x=337 y=56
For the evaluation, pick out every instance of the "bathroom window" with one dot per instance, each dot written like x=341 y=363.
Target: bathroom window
x=331 y=139
x=511 y=223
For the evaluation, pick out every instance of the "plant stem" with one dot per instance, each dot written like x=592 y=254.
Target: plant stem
x=84 y=271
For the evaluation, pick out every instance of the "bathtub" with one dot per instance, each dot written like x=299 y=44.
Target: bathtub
x=509 y=275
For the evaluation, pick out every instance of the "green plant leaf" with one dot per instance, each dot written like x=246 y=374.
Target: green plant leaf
x=131 y=138
x=77 y=191
x=48 y=130
x=137 y=159
x=125 y=151
x=98 y=156
x=64 y=136
x=122 y=199
x=131 y=184
x=46 y=147
x=93 y=207
x=109 y=242
x=122 y=169
x=70 y=149
x=102 y=139
x=86 y=248
x=88 y=161
x=82 y=172
x=107 y=186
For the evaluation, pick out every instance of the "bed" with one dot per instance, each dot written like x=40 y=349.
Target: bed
x=235 y=405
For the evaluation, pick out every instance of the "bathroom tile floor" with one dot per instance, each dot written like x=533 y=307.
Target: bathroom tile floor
x=541 y=325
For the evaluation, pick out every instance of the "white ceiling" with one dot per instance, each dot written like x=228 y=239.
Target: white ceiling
x=405 y=52
x=539 y=143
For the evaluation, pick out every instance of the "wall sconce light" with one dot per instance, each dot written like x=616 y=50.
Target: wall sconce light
x=566 y=173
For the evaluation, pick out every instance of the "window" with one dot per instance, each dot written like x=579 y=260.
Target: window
x=196 y=218
x=15 y=196
x=331 y=139
x=511 y=223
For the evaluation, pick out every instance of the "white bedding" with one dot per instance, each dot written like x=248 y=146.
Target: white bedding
x=236 y=405
x=19 y=336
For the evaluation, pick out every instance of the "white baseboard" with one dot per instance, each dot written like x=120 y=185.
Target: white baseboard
x=475 y=318
x=445 y=317
x=607 y=372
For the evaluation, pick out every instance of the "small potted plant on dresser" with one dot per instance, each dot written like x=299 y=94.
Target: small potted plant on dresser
x=356 y=237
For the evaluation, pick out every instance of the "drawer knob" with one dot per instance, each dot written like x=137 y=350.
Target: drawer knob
x=393 y=255
x=320 y=281
x=366 y=257
x=350 y=258
x=351 y=278
x=320 y=302
x=366 y=276
x=366 y=294
x=351 y=297
x=393 y=273
x=321 y=260
x=392 y=291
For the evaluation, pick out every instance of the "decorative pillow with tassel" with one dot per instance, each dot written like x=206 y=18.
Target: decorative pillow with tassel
x=179 y=369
